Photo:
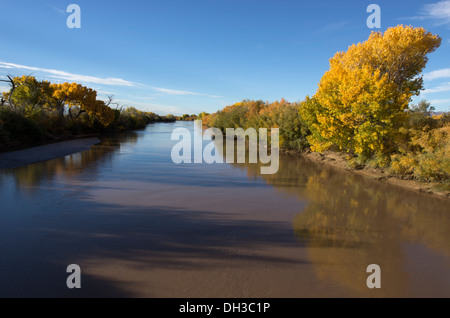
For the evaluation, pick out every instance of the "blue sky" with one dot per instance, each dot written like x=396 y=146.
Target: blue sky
x=191 y=56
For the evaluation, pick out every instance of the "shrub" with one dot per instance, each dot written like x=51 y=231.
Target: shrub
x=433 y=162
x=17 y=128
x=428 y=156
x=420 y=115
x=257 y=114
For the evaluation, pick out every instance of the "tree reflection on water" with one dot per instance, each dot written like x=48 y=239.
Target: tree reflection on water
x=351 y=221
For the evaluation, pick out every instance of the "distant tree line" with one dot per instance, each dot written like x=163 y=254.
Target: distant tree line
x=34 y=112
x=187 y=117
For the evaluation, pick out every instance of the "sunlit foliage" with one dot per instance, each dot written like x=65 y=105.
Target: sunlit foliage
x=258 y=114
x=34 y=110
x=361 y=101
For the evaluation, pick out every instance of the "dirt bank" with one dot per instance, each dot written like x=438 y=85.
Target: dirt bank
x=337 y=160
x=28 y=156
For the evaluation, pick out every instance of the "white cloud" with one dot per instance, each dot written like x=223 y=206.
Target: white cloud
x=178 y=92
x=440 y=101
x=107 y=93
x=439 y=11
x=165 y=109
x=443 y=73
x=61 y=76
x=71 y=76
x=438 y=89
x=173 y=91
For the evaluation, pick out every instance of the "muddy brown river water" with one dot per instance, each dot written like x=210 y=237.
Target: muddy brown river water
x=139 y=225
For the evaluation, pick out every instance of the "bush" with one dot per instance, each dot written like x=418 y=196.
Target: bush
x=420 y=115
x=17 y=128
x=257 y=114
x=433 y=162
x=428 y=157
x=131 y=118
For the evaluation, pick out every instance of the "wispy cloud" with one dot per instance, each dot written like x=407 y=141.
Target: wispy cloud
x=57 y=9
x=71 y=76
x=165 y=109
x=442 y=73
x=102 y=92
x=178 y=92
x=439 y=11
x=438 y=89
x=440 y=102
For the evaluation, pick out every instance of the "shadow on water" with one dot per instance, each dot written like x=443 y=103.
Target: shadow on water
x=146 y=239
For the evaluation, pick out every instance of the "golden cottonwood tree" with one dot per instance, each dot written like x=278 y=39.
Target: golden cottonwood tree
x=27 y=94
x=361 y=100
x=80 y=99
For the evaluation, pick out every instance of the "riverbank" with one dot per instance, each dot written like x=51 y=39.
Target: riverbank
x=18 y=158
x=20 y=130
x=338 y=161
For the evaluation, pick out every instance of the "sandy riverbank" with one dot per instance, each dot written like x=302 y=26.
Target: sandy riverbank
x=338 y=161
x=28 y=156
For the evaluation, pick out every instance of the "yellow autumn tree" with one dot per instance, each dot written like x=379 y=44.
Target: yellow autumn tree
x=28 y=94
x=361 y=100
x=79 y=99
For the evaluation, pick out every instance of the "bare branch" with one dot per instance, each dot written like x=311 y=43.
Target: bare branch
x=13 y=87
x=110 y=102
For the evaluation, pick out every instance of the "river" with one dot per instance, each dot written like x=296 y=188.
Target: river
x=139 y=225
